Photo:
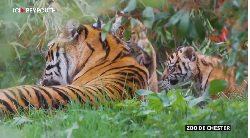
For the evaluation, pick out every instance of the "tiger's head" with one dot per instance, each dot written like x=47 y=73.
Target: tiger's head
x=57 y=63
x=77 y=47
x=180 y=67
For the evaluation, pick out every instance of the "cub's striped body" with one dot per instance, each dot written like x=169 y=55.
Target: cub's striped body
x=185 y=64
x=87 y=70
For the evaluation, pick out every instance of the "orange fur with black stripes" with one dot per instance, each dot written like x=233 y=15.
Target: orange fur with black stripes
x=186 y=64
x=80 y=67
x=140 y=48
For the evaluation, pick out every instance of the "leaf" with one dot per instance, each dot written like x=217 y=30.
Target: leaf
x=154 y=101
x=20 y=120
x=164 y=99
x=161 y=15
x=131 y=6
x=22 y=79
x=133 y=22
x=199 y=27
x=143 y=92
x=215 y=23
x=176 y=32
x=183 y=26
x=29 y=26
x=17 y=53
x=126 y=35
x=223 y=37
x=106 y=28
x=146 y=112
x=191 y=31
x=196 y=101
x=225 y=31
x=14 y=44
x=22 y=29
x=216 y=39
x=189 y=98
x=217 y=86
x=17 y=44
x=160 y=73
x=148 y=17
x=175 y=19
x=104 y=35
x=70 y=130
x=162 y=22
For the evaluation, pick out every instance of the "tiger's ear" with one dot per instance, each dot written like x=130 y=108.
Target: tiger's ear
x=179 y=47
x=71 y=29
x=189 y=53
x=99 y=24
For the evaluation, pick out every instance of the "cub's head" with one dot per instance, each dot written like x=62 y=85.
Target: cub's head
x=180 y=67
x=77 y=47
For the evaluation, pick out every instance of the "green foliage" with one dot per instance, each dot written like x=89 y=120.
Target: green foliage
x=24 y=39
x=148 y=17
x=106 y=28
x=199 y=27
x=184 y=23
x=164 y=115
x=217 y=86
x=131 y=6
x=143 y=92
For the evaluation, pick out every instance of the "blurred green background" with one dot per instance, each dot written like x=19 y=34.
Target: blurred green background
x=213 y=27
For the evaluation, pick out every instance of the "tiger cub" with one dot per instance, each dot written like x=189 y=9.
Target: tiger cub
x=140 y=48
x=186 y=64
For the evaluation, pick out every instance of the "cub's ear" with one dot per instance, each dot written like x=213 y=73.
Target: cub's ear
x=189 y=53
x=179 y=47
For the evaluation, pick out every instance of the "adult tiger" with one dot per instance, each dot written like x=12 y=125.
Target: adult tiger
x=186 y=64
x=140 y=47
x=96 y=71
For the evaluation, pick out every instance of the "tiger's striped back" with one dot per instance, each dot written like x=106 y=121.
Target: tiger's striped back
x=140 y=47
x=87 y=70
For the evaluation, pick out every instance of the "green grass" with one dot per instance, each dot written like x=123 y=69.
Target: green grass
x=161 y=116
